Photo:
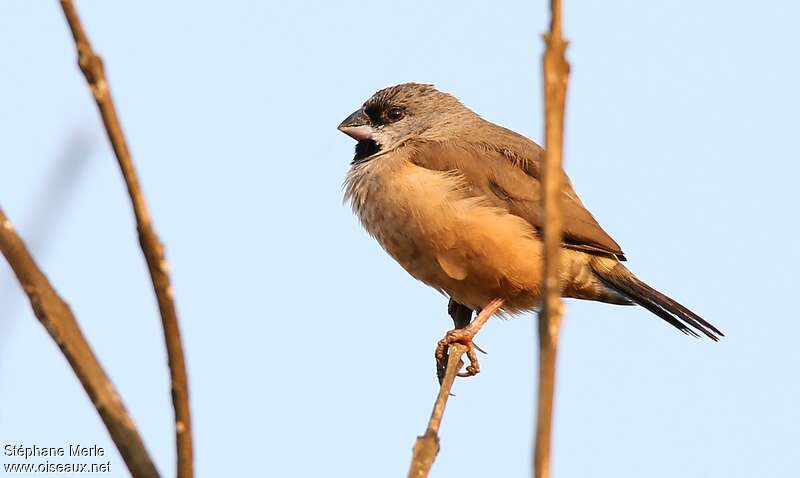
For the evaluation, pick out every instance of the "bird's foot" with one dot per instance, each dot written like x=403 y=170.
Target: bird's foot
x=464 y=337
x=457 y=336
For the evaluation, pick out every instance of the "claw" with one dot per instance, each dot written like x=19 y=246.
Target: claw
x=461 y=336
x=464 y=336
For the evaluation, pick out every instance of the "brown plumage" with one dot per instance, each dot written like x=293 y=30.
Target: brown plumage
x=456 y=200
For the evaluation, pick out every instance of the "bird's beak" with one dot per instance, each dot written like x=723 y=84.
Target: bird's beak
x=357 y=126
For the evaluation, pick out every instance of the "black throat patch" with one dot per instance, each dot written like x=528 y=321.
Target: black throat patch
x=364 y=150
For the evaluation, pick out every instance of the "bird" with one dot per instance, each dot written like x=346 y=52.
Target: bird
x=456 y=200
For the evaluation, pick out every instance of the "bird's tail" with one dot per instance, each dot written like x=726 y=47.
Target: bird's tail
x=618 y=277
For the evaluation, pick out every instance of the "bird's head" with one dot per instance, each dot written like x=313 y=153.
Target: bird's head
x=400 y=113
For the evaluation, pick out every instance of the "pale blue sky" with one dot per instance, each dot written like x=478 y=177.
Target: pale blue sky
x=309 y=349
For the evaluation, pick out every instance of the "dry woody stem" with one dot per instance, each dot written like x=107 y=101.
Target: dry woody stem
x=427 y=446
x=556 y=74
x=57 y=318
x=92 y=67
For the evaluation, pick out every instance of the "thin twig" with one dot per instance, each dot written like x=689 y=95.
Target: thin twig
x=57 y=318
x=49 y=208
x=427 y=446
x=556 y=74
x=92 y=67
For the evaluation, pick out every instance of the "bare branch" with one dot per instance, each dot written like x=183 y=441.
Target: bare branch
x=427 y=446
x=92 y=67
x=556 y=74
x=57 y=318
x=48 y=210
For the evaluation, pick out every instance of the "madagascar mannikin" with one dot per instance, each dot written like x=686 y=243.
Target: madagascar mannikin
x=457 y=201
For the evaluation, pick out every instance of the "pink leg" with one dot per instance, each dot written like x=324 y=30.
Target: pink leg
x=464 y=336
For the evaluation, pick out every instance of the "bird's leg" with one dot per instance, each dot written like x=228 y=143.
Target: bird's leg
x=461 y=314
x=464 y=336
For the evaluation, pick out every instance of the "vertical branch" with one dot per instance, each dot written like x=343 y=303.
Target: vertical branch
x=427 y=446
x=92 y=67
x=57 y=318
x=556 y=73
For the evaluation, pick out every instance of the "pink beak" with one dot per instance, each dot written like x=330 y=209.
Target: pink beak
x=357 y=126
x=358 y=133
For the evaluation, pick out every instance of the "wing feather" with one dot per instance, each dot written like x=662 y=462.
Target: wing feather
x=505 y=168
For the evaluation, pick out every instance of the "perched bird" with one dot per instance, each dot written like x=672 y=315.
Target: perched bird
x=457 y=201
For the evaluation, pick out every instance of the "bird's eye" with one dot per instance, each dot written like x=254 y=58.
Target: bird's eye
x=394 y=114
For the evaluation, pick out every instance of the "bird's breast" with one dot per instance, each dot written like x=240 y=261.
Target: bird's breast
x=383 y=196
x=428 y=222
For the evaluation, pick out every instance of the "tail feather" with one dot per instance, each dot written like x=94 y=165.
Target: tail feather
x=622 y=280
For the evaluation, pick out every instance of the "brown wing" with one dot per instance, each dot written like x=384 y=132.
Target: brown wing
x=505 y=168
